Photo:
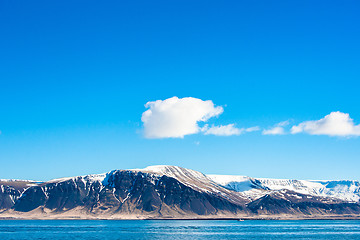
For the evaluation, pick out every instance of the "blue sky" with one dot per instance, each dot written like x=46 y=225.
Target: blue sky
x=75 y=78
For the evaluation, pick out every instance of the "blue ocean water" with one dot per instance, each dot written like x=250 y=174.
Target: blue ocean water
x=178 y=229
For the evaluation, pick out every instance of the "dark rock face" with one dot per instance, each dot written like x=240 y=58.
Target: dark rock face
x=289 y=202
x=8 y=196
x=31 y=199
x=10 y=192
x=59 y=196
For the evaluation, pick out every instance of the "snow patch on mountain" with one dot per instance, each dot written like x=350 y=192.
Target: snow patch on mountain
x=236 y=183
x=346 y=190
x=86 y=178
x=188 y=177
x=175 y=172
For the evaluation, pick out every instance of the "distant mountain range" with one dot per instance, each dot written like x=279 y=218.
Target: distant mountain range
x=170 y=192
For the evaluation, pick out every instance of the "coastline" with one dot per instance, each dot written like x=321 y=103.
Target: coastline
x=210 y=218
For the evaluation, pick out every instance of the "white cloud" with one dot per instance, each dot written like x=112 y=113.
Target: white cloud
x=227 y=130
x=223 y=130
x=176 y=117
x=278 y=129
x=334 y=124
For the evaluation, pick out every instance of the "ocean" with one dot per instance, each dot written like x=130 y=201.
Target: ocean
x=178 y=229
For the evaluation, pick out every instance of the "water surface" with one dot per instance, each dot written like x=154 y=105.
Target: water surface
x=178 y=229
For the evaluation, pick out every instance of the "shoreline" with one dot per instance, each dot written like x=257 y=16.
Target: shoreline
x=192 y=219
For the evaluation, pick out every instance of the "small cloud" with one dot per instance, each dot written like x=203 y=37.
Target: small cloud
x=176 y=117
x=227 y=130
x=252 y=129
x=334 y=124
x=283 y=123
x=222 y=130
x=278 y=129
x=197 y=143
x=274 y=131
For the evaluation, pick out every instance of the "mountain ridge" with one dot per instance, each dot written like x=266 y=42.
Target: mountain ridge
x=165 y=191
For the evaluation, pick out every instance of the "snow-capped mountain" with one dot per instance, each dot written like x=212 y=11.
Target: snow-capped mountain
x=346 y=190
x=175 y=192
